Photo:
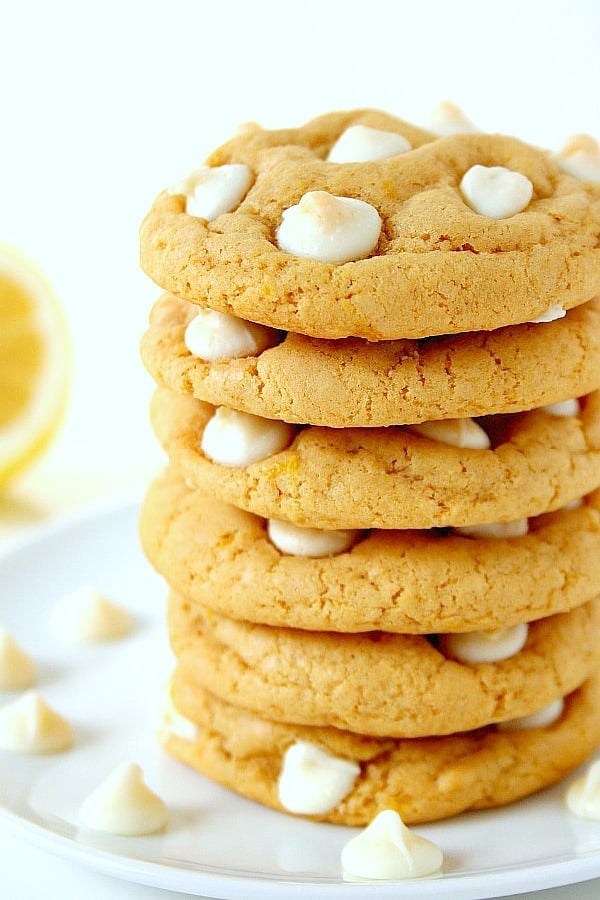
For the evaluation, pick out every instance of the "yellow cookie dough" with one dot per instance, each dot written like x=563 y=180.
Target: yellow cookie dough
x=349 y=383
x=377 y=684
x=422 y=778
x=439 y=267
x=220 y=557
x=393 y=478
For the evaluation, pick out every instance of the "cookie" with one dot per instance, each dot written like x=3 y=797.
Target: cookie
x=394 y=478
x=378 y=684
x=350 y=383
x=422 y=778
x=220 y=557
x=436 y=266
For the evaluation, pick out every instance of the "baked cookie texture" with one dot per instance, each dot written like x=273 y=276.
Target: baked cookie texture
x=421 y=778
x=355 y=383
x=438 y=268
x=414 y=582
x=451 y=314
x=378 y=684
x=394 y=478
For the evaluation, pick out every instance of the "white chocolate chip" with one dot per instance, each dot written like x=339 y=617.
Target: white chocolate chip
x=362 y=144
x=233 y=438
x=313 y=542
x=551 y=315
x=456 y=432
x=387 y=849
x=215 y=336
x=580 y=157
x=212 y=191
x=496 y=192
x=171 y=723
x=17 y=669
x=123 y=804
x=583 y=796
x=448 y=118
x=516 y=528
x=87 y=616
x=574 y=504
x=567 y=409
x=328 y=228
x=540 y=719
x=29 y=725
x=475 y=647
x=313 y=781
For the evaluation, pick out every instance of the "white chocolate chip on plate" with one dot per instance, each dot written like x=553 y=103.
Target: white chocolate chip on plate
x=387 y=849
x=362 y=144
x=495 y=191
x=17 y=669
x=328 y=228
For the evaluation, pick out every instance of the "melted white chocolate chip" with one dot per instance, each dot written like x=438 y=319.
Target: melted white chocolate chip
x=328 y=228
x=456 y=432
x=215 y=336
x=496 y=192
x=583 y=796
x=313 y=781
x=359 y=143
x=475 y=647
x=233 y=438
x=448 y=118
x=545 y=716
x=29 y=725
x=550 y=315
x=313 y=542
x=567 y=409
x=213 y=191
x=17 y=669
x=580 y=157
x=387 y=849
x=87 y=616
x=123 y=804
x=498 y=530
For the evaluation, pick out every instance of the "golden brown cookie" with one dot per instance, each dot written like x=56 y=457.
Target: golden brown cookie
x=394 y=478
x=422 y=778
x=438 y=268
x=378 y=684
x=353 y=382
x=220 y=557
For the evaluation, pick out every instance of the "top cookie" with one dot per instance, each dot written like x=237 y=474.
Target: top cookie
x=437 y=265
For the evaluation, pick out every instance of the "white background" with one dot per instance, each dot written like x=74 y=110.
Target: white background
x=102 y=105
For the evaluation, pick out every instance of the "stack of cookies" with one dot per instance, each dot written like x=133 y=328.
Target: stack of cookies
x=379 y=367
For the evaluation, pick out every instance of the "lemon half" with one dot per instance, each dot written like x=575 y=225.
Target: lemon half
x=35 y=363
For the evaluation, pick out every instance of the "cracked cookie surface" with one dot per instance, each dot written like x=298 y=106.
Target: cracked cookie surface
x=350 y=383
x=438 y=268
x=394 y=478
x=419 y=582
x=422 y=778
x=377 y=684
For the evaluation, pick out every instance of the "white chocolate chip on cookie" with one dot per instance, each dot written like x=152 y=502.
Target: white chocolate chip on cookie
x=313 y=542
x=580 y=157
x=448 y=118
x=567 y=409
x=495 y=191
x=216 y=336
x=551 y=315
x=362 y=144
x=474 y=647
x=212 y=191
x=313 y=781
x=233 y=438
x=456 y=432
x=497 y=530
x=328 y=228
x=545 y=716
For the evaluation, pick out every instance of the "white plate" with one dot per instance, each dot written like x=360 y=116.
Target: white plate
x=217 y=844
